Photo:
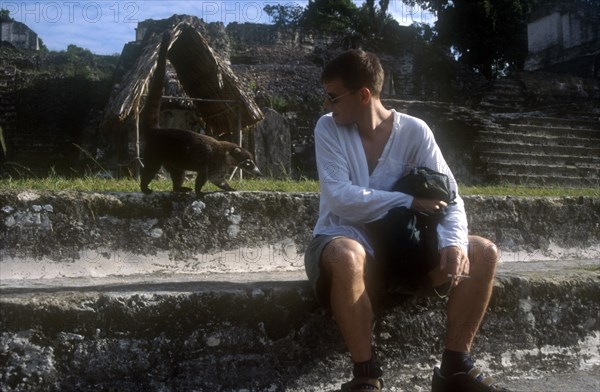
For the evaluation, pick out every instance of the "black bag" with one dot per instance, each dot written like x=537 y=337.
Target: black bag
x=425 y=183
x=405 y=241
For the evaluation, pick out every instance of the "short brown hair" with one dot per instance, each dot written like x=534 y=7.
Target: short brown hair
x=356 y=69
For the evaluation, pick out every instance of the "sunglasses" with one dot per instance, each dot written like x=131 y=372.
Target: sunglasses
x=333 y=99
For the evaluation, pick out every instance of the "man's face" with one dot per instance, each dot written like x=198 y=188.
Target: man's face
x=342 y=102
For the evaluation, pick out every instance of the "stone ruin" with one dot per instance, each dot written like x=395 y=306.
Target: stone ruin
x=532 y=128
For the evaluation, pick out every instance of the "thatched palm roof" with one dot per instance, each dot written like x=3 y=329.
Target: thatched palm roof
x=202 y=75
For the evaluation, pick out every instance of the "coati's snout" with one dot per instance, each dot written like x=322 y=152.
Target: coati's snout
x=243 y=160
x=249 y=166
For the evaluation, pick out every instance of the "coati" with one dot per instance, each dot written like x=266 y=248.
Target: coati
x=179 y=150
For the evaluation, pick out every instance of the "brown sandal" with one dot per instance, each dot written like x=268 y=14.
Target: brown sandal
x=363 y=384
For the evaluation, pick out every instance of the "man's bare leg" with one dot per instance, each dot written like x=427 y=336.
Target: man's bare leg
x=469 y=299
x=345 y=260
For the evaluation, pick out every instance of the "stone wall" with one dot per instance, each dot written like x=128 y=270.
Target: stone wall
x=565 y=39
x=19 y=35
x=565 y=30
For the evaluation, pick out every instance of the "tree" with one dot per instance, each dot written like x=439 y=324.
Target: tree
x=490 y=36
x=284 y=15
x=335 y=16
x=377 y=15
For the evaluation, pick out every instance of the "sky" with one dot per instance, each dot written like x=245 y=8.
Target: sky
x=104 y=27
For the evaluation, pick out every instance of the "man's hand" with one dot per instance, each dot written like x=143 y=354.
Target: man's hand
x=454 y=261
x=427 y=205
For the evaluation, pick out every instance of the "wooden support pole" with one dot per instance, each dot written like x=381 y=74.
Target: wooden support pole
x=240 y=135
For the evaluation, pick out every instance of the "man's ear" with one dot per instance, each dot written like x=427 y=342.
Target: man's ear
x=365 y=95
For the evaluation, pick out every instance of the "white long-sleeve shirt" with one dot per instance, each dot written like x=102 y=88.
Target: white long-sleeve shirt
x=351 y=197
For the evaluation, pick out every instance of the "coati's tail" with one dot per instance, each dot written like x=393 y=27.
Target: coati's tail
x=156 y=86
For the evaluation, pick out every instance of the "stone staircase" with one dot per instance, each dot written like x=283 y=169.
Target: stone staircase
x=166 y=292
x=538 y=150
x=503 y=95
x=545 y=131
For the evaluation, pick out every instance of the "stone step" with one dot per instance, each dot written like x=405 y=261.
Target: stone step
x=591 y=114
x=485 y=146
x=509 y=136
x=591 y=122
x=503 y=96
x=530 y=129
x=502 y=107
x=266 y=332
x=504 y=93
x=502 y=87
x=533 y=180
x=503 y=100
x=540 y=159
x=507 y=83
x=590 y=173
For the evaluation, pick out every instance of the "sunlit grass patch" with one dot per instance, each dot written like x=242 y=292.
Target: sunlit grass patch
x=507 y=190
x=99 y=184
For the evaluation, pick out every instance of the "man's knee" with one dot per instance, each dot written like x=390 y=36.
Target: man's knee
x=483 y=253
x=344 y=256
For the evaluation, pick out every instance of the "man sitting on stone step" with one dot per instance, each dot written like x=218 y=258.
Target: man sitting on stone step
x=362 y=148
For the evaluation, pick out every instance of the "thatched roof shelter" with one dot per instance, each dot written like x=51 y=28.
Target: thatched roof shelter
x=223 y=103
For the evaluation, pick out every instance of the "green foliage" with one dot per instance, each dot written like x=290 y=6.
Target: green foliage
x=487 y=35
x=43 y=48
x=252 y=85
x=333 y=16
x=376 y=16
x=370 y=23
x=80 y=62
x=279 y=103
x=284 y=15
x=424 y=31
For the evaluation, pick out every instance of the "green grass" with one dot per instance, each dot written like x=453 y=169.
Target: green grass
x=95 y=184
x=80 y=184
x=518 y=190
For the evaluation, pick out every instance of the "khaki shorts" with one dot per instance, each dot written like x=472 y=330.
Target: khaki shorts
x=312 y=265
